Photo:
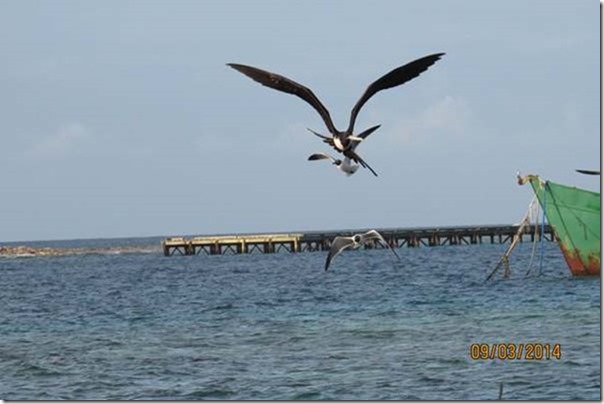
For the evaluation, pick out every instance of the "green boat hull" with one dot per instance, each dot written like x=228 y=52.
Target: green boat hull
x=574 y=215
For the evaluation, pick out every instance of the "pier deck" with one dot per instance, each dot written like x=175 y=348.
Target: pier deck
x=320 y=241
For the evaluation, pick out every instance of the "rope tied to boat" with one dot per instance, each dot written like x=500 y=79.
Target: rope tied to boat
x=542 y=231
x=535 y=208
x=504 y=260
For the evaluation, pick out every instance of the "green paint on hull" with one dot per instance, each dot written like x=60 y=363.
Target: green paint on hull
x=574 y=214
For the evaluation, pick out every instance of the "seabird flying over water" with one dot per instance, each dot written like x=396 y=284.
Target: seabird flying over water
x=342 y=141
x=340 y=243
x=346 y=165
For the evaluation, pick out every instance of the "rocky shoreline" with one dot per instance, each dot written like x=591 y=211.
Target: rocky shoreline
x=28 y=251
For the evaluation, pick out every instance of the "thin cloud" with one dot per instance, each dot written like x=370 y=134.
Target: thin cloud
x=65 y=141
x=450 y=115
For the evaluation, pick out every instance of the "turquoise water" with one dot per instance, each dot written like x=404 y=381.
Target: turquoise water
x=145 y=326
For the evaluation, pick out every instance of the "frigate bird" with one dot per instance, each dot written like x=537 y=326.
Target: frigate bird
x=346 y=165
x=342 y=141
x=340 y=243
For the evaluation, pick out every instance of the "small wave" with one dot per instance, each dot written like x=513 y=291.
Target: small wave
x=310 y=395
x=215 y=393
x=337 y=356
x=220 y=307
x=205 y=359
x=29 y=370
x=453 y=361
x=373 y=334
x=157 y=394
x=432 y=380
x=264 y=303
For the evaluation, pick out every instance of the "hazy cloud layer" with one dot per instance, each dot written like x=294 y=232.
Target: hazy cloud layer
x=115 y=112
x=449 y=117
x=67 y=140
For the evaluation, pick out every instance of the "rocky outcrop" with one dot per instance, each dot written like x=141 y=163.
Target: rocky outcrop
x=28 y=251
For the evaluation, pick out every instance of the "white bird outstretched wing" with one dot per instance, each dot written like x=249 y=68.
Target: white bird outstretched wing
x=338 y=245
x=374 y=235
x=320 y=156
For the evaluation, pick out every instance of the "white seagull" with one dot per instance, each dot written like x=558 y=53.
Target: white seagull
x=346 y=165
x=340 y=243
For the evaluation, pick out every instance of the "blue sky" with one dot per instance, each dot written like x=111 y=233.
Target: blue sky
x=120 y=118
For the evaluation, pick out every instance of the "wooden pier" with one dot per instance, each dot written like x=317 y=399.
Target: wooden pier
x=320 y=241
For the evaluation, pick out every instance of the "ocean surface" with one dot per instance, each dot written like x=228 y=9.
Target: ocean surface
x=276 y=326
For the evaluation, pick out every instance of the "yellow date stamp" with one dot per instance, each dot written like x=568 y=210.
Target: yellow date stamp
x=509 y=351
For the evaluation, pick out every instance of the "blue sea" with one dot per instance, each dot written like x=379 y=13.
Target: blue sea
x=278 y=327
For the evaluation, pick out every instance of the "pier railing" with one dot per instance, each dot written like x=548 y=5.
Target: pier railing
x=321 y=240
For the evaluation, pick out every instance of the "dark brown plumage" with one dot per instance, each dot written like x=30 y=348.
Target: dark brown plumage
x=588 y=172
x=342 y=141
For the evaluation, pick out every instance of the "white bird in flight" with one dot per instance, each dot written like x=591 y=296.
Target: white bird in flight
x=346 y=165
x=341 y=243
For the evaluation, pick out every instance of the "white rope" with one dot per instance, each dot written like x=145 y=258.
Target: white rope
x=505 y=258
x=534 y=208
